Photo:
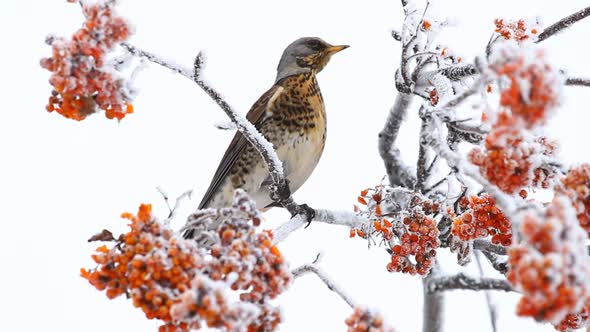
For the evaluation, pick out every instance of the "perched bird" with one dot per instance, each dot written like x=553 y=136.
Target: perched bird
x=291 y=116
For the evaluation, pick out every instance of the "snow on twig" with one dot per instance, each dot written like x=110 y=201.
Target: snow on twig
x=312 y=268
x=563 y=24
x=462 y=281
x=343 y=218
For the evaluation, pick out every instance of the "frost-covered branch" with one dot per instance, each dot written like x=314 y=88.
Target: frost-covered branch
x=398 y=172
x=492 y=310
x=486 y=245
x=462 y=281
x=434 y=302
x=158 y=60
x=343 y=218
x=577 y=81
x=498 y=265
x=421 y=173
x=563 y=24
x=312 y=268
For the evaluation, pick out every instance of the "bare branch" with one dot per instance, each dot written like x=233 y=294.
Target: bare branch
x=462 y=281
x=485 y=245
x=157 y=60
x=421 y=173
x=433 y=312
x=172 y=209
x=497 y=264
x=398 y=173
x=343 y=218
x=312 y=268
x=455 y=73
x=563 y=24
x=491 y=307
x=577 y=81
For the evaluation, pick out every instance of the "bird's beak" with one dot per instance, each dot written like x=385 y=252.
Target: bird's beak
x=335 y=49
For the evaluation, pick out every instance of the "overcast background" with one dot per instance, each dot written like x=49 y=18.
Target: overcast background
x=62 y=181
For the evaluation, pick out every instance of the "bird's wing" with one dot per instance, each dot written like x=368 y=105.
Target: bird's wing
x=257 y=115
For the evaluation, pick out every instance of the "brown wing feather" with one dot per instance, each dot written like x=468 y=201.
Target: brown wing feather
x=256 y=116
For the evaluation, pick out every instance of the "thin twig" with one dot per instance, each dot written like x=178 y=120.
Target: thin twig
x=495 y=262
x=486 y=245
x=312 y=268
x=563 y=24
x=464 y=282
x=491 y=307
x=577 y=81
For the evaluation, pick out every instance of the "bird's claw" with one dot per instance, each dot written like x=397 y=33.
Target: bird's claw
x=281 y=193
x=308 y=212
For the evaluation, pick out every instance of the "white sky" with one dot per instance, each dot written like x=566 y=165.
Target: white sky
x=62 y=181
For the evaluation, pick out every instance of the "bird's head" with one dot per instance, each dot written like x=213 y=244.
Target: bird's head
x=306 y=54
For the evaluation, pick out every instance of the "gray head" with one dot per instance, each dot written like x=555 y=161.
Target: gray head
x=306 y=54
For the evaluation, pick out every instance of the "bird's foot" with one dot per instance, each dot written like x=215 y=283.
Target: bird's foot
x=307 y=211
x=281 y=193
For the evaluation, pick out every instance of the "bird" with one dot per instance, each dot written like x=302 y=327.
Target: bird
x=290 y=115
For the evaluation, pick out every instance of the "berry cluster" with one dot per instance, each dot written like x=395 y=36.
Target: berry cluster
x=576 y=321
x=516 y=30
x=374 y=198
x=183 y=285
x=535 y=100
x=576 y=185
x=363 y=320
x=419 y=238
x=411 y=234
x=81 y=81
x=513 y=159
x=481 y=218
x=550 y=266
x=148 y=263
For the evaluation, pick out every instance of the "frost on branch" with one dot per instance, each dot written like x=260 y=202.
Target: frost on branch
x=576 y=185
x=83 y=82
x=550 y=264
x=184 y=286
x=409 y=231
x=364 y=320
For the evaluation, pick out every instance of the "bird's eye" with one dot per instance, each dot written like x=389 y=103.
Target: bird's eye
x=314 y=44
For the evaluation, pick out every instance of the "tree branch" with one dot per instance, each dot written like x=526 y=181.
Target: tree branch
x=421 y=173
x=500 y=266
x=485 y=245
x=492 y=310
x=433 y=312
x=563 y=24
x=343 y=218
x=462 y=281
x=398 y=173
x=577 y=81
x=312 y=268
